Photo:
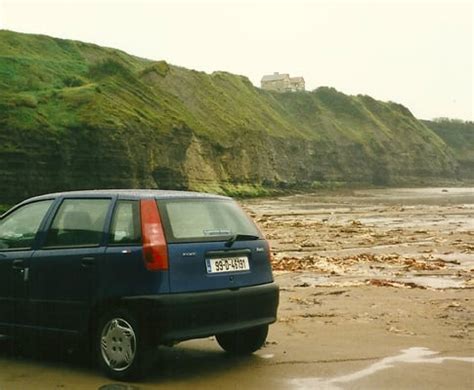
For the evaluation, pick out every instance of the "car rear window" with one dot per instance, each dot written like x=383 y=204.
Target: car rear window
x=204 y=220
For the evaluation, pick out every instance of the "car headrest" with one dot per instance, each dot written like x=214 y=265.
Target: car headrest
x=77 y=220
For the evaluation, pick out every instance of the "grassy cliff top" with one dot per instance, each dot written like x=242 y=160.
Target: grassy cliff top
x=70 y=77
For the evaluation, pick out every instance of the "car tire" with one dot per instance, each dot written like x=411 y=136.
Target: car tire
x=121 y=346
x=243 y=342
x=9 y=345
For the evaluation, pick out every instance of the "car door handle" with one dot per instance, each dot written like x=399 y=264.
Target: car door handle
x=19 y=264
x=87 y=261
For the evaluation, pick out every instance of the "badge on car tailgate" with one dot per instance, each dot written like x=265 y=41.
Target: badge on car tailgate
x=227 y=264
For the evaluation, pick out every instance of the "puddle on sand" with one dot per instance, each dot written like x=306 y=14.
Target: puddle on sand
x=412 y=356
x=328 y=281
x=435 y=282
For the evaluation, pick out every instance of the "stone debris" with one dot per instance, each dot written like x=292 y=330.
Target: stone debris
x=394 y=329
x=342 y=236
x=341 y=265
x=305 y=301
x=392 y=283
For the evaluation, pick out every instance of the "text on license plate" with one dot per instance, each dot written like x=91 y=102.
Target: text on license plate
x=227 y=264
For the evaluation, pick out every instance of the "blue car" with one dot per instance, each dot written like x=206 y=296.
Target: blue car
x=128 y=270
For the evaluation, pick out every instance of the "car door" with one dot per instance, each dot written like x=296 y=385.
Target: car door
x=18 y=234
x=63 y=271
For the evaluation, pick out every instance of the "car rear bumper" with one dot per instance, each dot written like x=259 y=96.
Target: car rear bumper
x=177 y=317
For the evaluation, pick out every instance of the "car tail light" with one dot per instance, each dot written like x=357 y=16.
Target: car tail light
x=269 y=249
x=155 y=249
x=269 y=255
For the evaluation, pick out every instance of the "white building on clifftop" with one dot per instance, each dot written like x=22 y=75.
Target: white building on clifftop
x=282 y=83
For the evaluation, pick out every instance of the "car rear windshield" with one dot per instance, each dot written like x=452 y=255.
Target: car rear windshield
x=191 y=220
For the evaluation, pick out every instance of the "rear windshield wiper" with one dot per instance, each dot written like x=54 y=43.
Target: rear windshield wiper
x=240 y=237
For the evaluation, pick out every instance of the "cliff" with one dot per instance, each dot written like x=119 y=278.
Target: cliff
x=459 y=136
x=76 y=115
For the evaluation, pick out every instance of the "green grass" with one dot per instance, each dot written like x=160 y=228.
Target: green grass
x=459 y=136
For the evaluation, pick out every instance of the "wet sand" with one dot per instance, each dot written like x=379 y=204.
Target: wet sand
x=422 y=237
x=376 y=293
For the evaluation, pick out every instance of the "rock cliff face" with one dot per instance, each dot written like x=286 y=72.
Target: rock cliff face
x=459 y=136
x=76 y=115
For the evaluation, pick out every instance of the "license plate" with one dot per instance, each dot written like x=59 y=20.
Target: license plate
x=227 y=264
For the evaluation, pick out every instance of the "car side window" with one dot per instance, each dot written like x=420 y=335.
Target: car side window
x=125 y=229
x=78 y=222
x=18 y=229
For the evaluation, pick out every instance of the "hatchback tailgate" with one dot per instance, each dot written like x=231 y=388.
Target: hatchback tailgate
x=211 y=265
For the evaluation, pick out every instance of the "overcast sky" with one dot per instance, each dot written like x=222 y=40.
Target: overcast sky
x=418 y=53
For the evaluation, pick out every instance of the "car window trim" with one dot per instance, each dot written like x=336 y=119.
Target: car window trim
x=22 y=249
x=124 y=244
x=54 y=247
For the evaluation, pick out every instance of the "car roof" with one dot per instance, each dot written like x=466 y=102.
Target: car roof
x=131 y=194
